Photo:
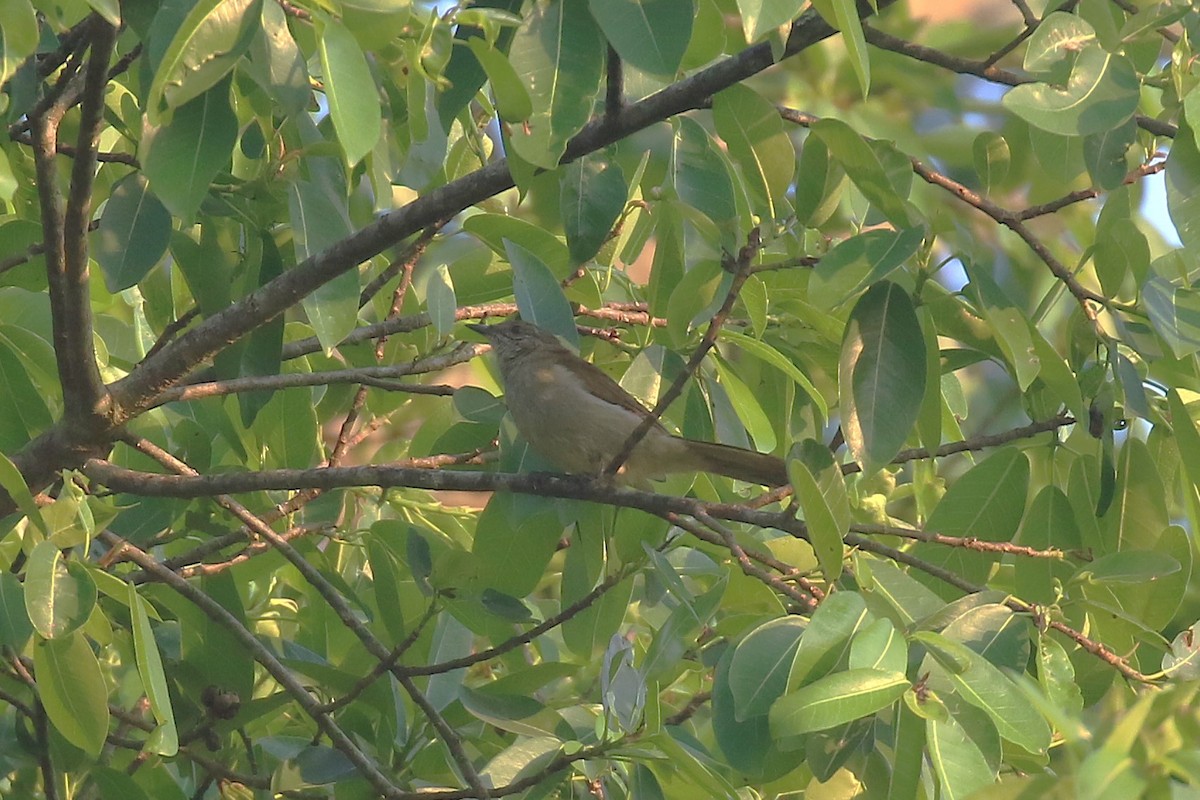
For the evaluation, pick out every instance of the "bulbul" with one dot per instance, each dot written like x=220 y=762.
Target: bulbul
x=578 y=418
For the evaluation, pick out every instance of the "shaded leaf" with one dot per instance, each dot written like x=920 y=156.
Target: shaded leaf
x=71 y=688
x=836 y=699
x=881 y=374
x=133 y=234
x=350 y=89
x=651 y=35
x=181 y=158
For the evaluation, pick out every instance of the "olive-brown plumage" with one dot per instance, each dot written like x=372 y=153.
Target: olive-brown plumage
x=577 y=417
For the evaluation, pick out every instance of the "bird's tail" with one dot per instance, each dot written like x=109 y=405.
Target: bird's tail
x=737 y=463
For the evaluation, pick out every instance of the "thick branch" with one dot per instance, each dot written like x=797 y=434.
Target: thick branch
x=70 y=294
x=58 y=447
x=135 y=392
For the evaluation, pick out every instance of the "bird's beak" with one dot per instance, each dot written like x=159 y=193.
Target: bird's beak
x=484 y=330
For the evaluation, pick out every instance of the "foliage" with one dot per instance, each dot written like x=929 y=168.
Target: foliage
x=911 y=258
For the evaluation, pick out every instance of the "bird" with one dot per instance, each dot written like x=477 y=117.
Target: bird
x=578 y=418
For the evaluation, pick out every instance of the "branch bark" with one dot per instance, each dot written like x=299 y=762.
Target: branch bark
x=61 y=447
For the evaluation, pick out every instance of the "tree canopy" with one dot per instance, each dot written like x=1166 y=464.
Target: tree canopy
x=270 y=531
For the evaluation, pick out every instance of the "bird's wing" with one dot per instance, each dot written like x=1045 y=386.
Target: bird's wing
x=610 y=391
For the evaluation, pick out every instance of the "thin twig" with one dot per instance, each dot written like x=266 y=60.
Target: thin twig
x=548 y=624
x=382 y=376
x=980 y=442
x=449 y=737
x=804 y=601
x=259 y=652
x=1020 y=606
x=741 y=272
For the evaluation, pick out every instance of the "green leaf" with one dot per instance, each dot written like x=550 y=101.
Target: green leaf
x=1104 y=154
x=72 y=690
x=987 y=503
x=1057 y=376
x=435 y=287
x=181 y=158
x=758 y=671
x=494 y=229
x=592 y=194
x=760 y=17
x=929 y=418
x=23 y=411
x=863 y=167
x=203 y=51
x=525 y=756
x=18 y=36
x=957 y=759
x=821 y=492
x=464 y=73
x=540 y=298
x=350 y=89
x=1183 y=186
x=827 y=638
x=748 y=408
x=992 y=159
x=558 y=53
x=512 y=99
x=154 y=680
x=1059 y=36
x=1049 y=523
x=262 y=351
x=881 y=375
x=1129 y=566
x=15 y=626
x=907 y=599
x=758 y=143
x=589 y=631
x=651 y=35
x=747 y=745
x=520 y=714
x=386 y=583
x=116 y=785
x=1139 y=511
x=8 y=181
x=843 y=15
x=320 y=218
x=818 y=195
x=879 y=646
x=762 y=350
x=836 y=699
x=1101 y=94
x=289 y=431
x=987 y=688
x=134 y=230
x=514 y=540
x=1174 y=313
x=59 y=595
x=1010 y=325
x=1183 y=425
x=694 y=298
x=860 y=261
x=701 y=178
x=277 y=64
x=1121 y=249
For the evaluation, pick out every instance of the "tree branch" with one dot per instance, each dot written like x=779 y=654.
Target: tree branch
x=740 y=268
x=259 y=652
x=59 y=447
x=70 y=294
